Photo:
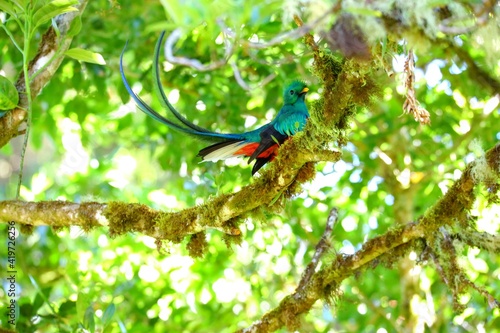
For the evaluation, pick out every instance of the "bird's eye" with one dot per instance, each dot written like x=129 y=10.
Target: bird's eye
x=292 y=92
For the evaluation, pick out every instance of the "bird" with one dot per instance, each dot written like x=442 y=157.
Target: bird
x=260 y=145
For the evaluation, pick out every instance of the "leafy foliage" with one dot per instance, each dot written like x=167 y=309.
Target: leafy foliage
x=8 y=94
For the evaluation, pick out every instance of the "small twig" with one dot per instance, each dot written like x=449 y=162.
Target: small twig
x=449 y=30
x=321 y=247
x=309 y=38
x=243 y=84
x=257 y=58
x=287 y=36
x=196 y=64
x=237 y=76
x=301 y=31
x=492 y=301
x=446 y=262
x=429 y=252
x=446 y=26
x=268 y=79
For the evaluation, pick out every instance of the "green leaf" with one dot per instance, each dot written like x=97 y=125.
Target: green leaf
x=26 y=310
x=21 y=4
x=275 y=140
x=210 y=177
x=173 y=10
x=7 y=7
x=9 y=97
x=67 y=309
x=384 y=47
x=86 y=56
x=76 y=26
x=82 y=303
x=51 y=10
x=38 y=302
x=108 y=329
x=56 y=28
x=108 y=315
x=276 y=197
x=89 y=320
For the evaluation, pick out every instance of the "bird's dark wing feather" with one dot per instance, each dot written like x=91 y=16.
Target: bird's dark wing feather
x=259 y=163
x=268 y=138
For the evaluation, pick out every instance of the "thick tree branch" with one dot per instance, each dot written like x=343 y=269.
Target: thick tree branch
x=62 y=213
x=50 y=44
x=328 y=278
x=387 y=248
x=216 y=213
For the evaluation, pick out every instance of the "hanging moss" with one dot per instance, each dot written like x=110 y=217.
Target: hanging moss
x=27 y=229
x=232 y=239
x=197 y=245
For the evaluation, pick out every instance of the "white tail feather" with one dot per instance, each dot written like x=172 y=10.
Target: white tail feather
x=223 y=153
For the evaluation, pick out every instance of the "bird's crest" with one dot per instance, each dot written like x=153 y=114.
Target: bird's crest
x=293 y=91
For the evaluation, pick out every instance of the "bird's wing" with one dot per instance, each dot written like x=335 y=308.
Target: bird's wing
x=290 y=120
x=270 y=139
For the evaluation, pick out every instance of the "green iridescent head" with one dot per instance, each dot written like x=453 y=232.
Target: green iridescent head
x=295 y=91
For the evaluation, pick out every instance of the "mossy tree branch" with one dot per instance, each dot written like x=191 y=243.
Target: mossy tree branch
x=50 y=46
x=396 y=244
x=218 y=213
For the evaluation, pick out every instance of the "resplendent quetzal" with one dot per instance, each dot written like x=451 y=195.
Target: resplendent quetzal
x=260 y=145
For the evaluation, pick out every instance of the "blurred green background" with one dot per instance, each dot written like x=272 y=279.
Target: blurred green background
x=88 y=142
